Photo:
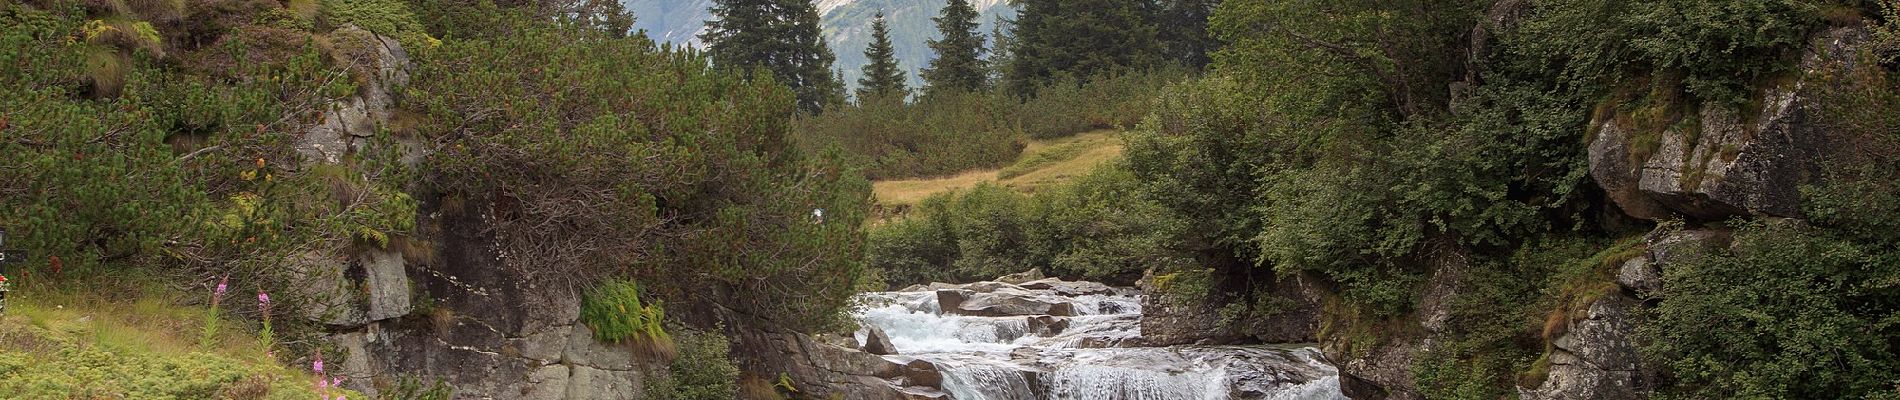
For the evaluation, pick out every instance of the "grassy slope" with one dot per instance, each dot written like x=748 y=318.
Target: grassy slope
x=78 y=345
x=1043 y=163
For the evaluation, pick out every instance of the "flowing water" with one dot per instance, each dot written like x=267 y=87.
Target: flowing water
x=1095 y=356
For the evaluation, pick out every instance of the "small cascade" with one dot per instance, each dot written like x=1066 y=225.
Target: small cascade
x=987 y=347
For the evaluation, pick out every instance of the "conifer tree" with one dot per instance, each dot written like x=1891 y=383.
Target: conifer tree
x=1182 y=30
x=1079 y=39
x=781 y=36
x=1000 y=45
x=882 y=78
x=959 y=64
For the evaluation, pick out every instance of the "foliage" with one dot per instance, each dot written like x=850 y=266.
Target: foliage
x=91 y=347
x=631 y=161
x=1056 y=40
x=615 y=313
x=882 y=78
x=1095 y=227
x=413 y=388
x=779 y=36
x=701 y=372
x=384 y=17
x=946 y=132
x=182 y=170
x=1790 y=312
x=939 y=134
x=958 y=65
x=1796 y=310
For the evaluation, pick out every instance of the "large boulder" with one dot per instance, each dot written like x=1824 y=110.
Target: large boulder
x=823 y=370
x=1728 y=162
x=1068 y=288
x=1001 y=303
x=1596 y=357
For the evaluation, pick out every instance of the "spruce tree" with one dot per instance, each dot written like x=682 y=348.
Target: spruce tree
x=1079 y=39
x=1000 y=45
x=959 y=64
x=781 y=36
x=882 y=78
x=1182 y=29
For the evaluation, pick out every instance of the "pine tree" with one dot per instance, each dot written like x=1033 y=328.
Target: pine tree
x=1079 y=39
x=959 y=64
x=781 y=36
x=1001 y=42
x=1182 y=27
x=882 y=78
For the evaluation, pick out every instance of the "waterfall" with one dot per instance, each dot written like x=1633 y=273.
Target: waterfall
x=1090 y=352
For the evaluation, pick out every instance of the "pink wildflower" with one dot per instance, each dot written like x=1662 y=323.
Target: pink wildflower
x=219 y=293
x=317 y=365
x=263 y=298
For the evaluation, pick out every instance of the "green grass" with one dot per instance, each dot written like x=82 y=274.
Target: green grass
x=78 y=345
x=1044 y=163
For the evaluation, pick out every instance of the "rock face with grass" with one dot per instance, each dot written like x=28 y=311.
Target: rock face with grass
x=1595 y=353
x=380 y=66
x=1714 y=161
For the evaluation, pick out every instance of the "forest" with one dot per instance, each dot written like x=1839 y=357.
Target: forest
x=1471 y=199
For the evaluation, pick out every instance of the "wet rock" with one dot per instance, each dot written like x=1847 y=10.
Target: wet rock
x=1000 y=303
x=921 y=373
x=1068 y=288
x=1732 y=163
x=822 y=370
x=876 y=342
x=1046 y=326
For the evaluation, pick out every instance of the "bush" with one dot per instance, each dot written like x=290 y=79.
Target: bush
x=615 y=313
x=939 y=135
x=636 y=162
x=1790 y=312
x=701 y=372
x=1096 y=227
x=949 y=132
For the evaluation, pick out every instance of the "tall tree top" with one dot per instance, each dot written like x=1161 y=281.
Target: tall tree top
x=959 y=64
x=781 y=36
x=882 y=77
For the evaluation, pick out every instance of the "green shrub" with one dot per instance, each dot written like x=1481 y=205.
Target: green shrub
x=1790 y=312
x=635 y=162
x=384 y=17
x=615 y=313
x=701 y=372
x=1095 y=227
x=949 y=132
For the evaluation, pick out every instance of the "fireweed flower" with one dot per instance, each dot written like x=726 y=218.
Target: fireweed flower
x=219 y=293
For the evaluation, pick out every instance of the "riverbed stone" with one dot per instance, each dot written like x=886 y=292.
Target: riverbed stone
x=876 y=342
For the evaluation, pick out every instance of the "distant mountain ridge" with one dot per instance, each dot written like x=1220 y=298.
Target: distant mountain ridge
x=847 y=25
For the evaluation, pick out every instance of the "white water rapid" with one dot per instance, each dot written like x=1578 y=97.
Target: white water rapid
x=999 y=342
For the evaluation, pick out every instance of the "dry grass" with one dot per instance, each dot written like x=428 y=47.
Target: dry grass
x=1098 y=147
